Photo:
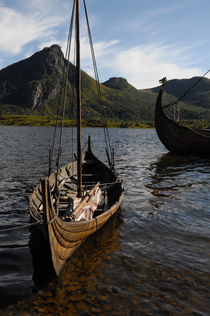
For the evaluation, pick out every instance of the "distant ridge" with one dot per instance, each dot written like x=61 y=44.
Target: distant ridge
x=199 y=95
x=31 y=86
x=117 y=83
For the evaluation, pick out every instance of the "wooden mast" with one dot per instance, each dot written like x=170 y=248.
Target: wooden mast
x=79 y=133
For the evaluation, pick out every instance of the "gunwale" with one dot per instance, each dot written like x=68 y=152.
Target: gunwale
x=62 y=237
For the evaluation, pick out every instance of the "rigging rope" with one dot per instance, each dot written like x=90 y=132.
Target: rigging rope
x=73 y=105
x=198 y=132
x=106 y=134
x=65 y=81
x=65 y=75
x=66 y=71
x=109 y=150
x=186 y=92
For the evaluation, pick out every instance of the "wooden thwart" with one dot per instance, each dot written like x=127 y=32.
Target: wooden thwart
x=61 y=233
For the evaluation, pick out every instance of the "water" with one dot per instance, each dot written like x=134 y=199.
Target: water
x=152 y=258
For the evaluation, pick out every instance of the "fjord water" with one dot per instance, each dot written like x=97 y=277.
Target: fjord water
x=152 y=258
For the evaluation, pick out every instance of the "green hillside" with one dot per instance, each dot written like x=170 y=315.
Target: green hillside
x=32 y=87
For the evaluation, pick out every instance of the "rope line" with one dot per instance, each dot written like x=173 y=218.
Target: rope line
x=101 y=185
x=20 y=227
x=66 y=70
x=52 y=220
x=198 y=132
x=186 y=92
x=106 y=134
x=65 y=81
x=27 y=225
x=65 y=73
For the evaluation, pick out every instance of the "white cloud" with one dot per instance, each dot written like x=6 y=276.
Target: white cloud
x=46 y=6
x=102 y=50
x=17 y=29
x=143 y=66
x=171 y=8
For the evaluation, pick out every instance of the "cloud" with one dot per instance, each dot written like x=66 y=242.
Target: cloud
x=171 y=8
x=17 y=29
x=102 y=51
x=45 y=6
x=39 y=22
x=143 y=66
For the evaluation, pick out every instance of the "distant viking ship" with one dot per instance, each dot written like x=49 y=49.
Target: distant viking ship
x=79 y=198
x=176 y=138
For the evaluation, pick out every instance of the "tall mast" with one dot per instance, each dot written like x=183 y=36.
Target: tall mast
x=79 y=133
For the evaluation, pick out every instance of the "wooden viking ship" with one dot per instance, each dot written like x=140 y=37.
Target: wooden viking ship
x=176 y=138
x=78 y=199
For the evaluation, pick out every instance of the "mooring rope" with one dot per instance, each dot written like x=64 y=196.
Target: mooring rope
x=27 y=225
x=21 y=227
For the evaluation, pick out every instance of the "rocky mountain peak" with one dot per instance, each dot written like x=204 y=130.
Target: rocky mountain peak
x=34 y=80
x=117 y=83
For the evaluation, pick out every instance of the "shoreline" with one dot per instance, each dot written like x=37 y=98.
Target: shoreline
x=50 y=121
x=38 y=120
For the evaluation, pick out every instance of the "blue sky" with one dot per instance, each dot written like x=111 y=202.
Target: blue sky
x=140 y=40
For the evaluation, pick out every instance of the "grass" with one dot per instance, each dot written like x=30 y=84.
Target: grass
x=36 y=120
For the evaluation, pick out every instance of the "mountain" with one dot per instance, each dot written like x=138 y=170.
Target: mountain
x=32 y=86
x=117 y=83
x=196 y=102
x=30 y=83
x=199 y=95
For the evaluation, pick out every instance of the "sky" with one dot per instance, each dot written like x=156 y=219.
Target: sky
x=139 y=40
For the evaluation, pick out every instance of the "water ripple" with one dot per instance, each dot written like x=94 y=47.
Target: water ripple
x=151 y=259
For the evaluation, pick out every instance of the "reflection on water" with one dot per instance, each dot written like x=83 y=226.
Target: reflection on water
x=180 y=186
x=173 y=165
x=152 y=258
x=81 y=281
